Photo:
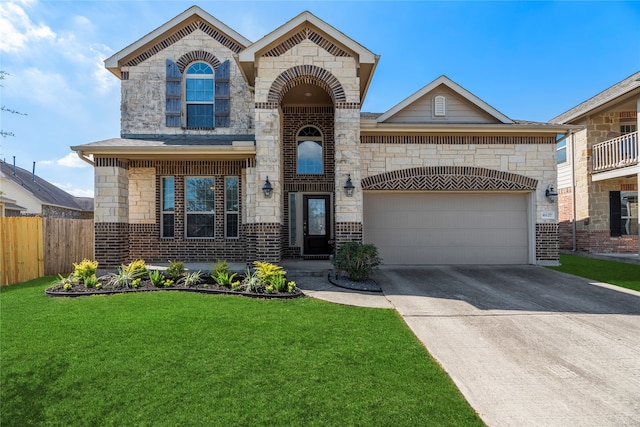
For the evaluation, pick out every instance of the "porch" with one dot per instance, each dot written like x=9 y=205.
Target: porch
x=616 y=157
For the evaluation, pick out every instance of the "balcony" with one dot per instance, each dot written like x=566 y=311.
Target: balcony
x=616 y=154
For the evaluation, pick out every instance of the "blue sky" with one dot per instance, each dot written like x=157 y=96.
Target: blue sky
x=529 y=60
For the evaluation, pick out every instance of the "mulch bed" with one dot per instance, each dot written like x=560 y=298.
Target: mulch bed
x=207 y=286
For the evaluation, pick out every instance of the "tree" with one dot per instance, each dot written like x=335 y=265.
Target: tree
x=3 y=108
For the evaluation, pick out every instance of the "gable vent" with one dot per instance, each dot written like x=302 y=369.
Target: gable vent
x=440 y=106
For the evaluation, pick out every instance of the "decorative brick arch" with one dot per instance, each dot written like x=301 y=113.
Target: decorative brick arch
x=197 y=55
x=449 y=178
x=306 y=74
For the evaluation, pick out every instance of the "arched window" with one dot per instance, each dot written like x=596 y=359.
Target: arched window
x=309 y=142
x=199 y=95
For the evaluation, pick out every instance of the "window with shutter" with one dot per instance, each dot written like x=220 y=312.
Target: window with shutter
x=173 y=94
x=199 y=95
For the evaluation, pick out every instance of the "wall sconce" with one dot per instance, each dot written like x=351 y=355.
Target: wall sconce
x=349 y=187
x=267 y=189
x=551 y=193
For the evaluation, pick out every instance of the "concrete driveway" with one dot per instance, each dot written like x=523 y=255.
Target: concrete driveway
x=527 y=346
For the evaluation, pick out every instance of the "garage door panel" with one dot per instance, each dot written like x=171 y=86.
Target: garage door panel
x=448 y=228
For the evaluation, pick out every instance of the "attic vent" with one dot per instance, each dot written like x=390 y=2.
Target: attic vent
x=440 y=106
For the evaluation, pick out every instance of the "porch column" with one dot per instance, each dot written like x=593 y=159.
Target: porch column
x=268 y=210
x=111 y=212
x=347 y=163
x=638 y=174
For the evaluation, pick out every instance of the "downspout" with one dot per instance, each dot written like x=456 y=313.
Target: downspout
x=573 y=193
x=84 y=158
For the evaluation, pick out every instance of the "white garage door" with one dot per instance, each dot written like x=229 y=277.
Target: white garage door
x=447 y=228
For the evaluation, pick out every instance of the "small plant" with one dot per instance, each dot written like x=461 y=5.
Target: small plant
x=64 y=281
x=135 y=283
x=357 y=260
x=91 y=281
x=279 y=283
x=167 y=283
x=250 y=283
x=221 y=266
x=291 y=287
x=236 y=286
x=98 y=285
x=137 y=267
x=223 y=278
x=157 y=278
x=175 y=270
x=192 y=279
x=67 y=287
x=268 y=273
x=270 y=289
x=85 y=269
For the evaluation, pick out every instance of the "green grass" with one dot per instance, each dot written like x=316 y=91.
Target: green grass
x=615 y=273
x=170 y=358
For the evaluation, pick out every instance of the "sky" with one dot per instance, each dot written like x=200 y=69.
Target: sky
x=529 y=60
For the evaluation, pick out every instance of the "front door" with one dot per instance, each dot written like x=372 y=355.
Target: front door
x=316 y=225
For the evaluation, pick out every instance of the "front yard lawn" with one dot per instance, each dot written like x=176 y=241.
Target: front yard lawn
x=170 y=358
x=615 y=273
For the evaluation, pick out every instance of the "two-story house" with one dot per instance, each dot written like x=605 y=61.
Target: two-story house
x=259 y=150
x=599 y=172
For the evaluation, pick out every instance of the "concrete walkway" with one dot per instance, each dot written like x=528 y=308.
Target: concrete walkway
x=527 y=346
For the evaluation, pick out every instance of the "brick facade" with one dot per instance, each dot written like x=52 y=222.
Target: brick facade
x=547 y=243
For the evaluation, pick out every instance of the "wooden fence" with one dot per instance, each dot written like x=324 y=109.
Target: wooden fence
x=33 y=247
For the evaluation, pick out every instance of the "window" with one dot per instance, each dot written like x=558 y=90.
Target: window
x=199 y=206
x=561 y=151
x=625 y=129
x=293 y=219
x=623 y=213
x=167 y=214
x=231 y=208
x=199 y=95
x=309 y=151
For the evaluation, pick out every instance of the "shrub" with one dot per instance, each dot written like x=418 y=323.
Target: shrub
x=268 y=273
x=223 y=278
x=357 y=260
x=175 y=270
x=250 y=283
x=221 y=266
x=123 y=278
x=157 y=278
x=279 y=283
x=291 y=287
x=137 y=267
x=85 y=269
x=91 y=281
x=191 y=279
x=65 y=282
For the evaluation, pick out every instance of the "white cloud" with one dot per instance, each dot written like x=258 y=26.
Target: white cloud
x=72 y=160
x=17 y=30
x=73 y=190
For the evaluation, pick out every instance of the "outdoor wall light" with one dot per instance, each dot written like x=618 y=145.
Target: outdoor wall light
x=552 y=194
x=349 y=187
x=267 y=189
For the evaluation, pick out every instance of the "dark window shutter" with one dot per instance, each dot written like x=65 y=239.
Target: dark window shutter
x=222 y=98
x=174 y=88
x=615 y=214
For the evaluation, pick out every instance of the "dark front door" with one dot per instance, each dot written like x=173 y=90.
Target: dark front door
x=316 y=225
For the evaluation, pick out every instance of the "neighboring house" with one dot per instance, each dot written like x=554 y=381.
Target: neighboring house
x=32 y=195
x=8 y=207
x=239 y=150
x=599 y=172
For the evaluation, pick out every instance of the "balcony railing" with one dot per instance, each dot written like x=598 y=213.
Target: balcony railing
x=616 y=153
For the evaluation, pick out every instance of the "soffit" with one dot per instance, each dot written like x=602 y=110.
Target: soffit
x=188 y=21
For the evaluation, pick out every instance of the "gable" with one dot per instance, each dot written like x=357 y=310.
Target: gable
x=452 y=108
x=443 y=101
x=188 y=22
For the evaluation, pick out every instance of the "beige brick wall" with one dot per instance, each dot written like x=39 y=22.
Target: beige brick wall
x=144 y=93
x=532 y=160
x=111 y=194
x=142 y=196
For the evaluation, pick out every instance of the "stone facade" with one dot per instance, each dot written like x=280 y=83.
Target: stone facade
x=270 y=101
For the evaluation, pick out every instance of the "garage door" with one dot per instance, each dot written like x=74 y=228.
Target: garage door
x=447 y=228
